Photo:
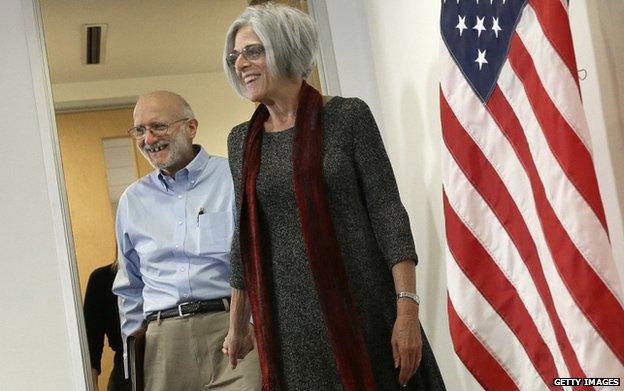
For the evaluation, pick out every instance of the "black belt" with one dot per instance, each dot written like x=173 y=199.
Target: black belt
x=189 y=308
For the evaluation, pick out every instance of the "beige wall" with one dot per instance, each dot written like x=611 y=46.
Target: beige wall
x=80 y=139
x=216 y=106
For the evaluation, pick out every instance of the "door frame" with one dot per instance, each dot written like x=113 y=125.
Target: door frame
x=65 y=256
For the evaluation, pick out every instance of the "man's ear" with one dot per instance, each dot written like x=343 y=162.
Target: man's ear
x=192 y=127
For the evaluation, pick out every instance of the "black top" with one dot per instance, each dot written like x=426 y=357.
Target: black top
x=101 y=315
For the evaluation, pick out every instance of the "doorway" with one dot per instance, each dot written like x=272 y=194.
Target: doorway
x=102 y=56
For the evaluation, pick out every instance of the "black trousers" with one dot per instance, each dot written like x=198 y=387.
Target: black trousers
x=116 y=381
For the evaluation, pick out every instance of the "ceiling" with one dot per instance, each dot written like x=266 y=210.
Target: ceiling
x=143 y=38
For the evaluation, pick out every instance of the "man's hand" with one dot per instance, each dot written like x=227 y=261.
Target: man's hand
x=406 y=346
x=236 y=346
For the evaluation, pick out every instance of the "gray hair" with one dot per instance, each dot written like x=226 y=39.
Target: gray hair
x=289 y=36
x=187 y=111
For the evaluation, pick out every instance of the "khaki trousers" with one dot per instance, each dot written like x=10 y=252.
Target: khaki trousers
x=185 y=354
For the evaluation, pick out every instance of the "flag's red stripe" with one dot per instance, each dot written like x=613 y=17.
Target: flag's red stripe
x=570 y=152
x=486 y=370
x=553 y=18
x=475 y=261
x=507 y=121
x=485 y=275
x=592 y=295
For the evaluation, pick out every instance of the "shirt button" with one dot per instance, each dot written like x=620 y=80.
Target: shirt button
x=181 y=269
x=176 y=246
x=192 y=181
x=179 y=197
x=180 y=222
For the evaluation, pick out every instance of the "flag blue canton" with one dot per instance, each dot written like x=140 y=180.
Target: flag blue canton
x=478 y=33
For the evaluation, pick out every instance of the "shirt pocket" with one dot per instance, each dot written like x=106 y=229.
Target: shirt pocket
x=215 y=232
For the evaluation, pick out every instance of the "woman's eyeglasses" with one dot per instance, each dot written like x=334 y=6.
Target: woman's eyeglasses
x=249 y=52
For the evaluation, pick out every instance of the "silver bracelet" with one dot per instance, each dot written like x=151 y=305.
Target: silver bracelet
x=410 y=295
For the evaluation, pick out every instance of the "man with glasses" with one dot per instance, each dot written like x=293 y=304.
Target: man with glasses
x=174 y=229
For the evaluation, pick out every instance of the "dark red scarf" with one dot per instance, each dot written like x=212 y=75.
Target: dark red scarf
x=340 y=313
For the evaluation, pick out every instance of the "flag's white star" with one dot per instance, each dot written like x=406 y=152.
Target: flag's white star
x=481 y=58
x=479 y=26
x=461 y=25
x=496 y=26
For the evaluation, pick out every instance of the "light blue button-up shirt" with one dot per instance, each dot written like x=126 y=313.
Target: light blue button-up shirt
x=174 y=237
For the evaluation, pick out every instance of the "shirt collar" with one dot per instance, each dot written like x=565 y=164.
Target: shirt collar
x=194 y=169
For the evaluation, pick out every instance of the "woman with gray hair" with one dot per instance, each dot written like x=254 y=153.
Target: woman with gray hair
x=323 y=255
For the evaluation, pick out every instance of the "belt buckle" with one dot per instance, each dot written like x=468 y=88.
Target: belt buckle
x=180 y=309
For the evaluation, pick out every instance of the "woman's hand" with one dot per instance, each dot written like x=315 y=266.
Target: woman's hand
x=406 y=344
x=237 y=345
x=406 y=339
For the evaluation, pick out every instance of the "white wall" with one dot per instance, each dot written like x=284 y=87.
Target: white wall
x=405 y=45
x=39 y=347
x=387 y=52
x=597 y=32
x=387 y=55
x=216 y=106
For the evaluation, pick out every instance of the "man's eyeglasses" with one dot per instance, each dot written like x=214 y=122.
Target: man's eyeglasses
x=249 y=52
x=157 y=128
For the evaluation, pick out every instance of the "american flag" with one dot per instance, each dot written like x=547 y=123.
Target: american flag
x=533 y=291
